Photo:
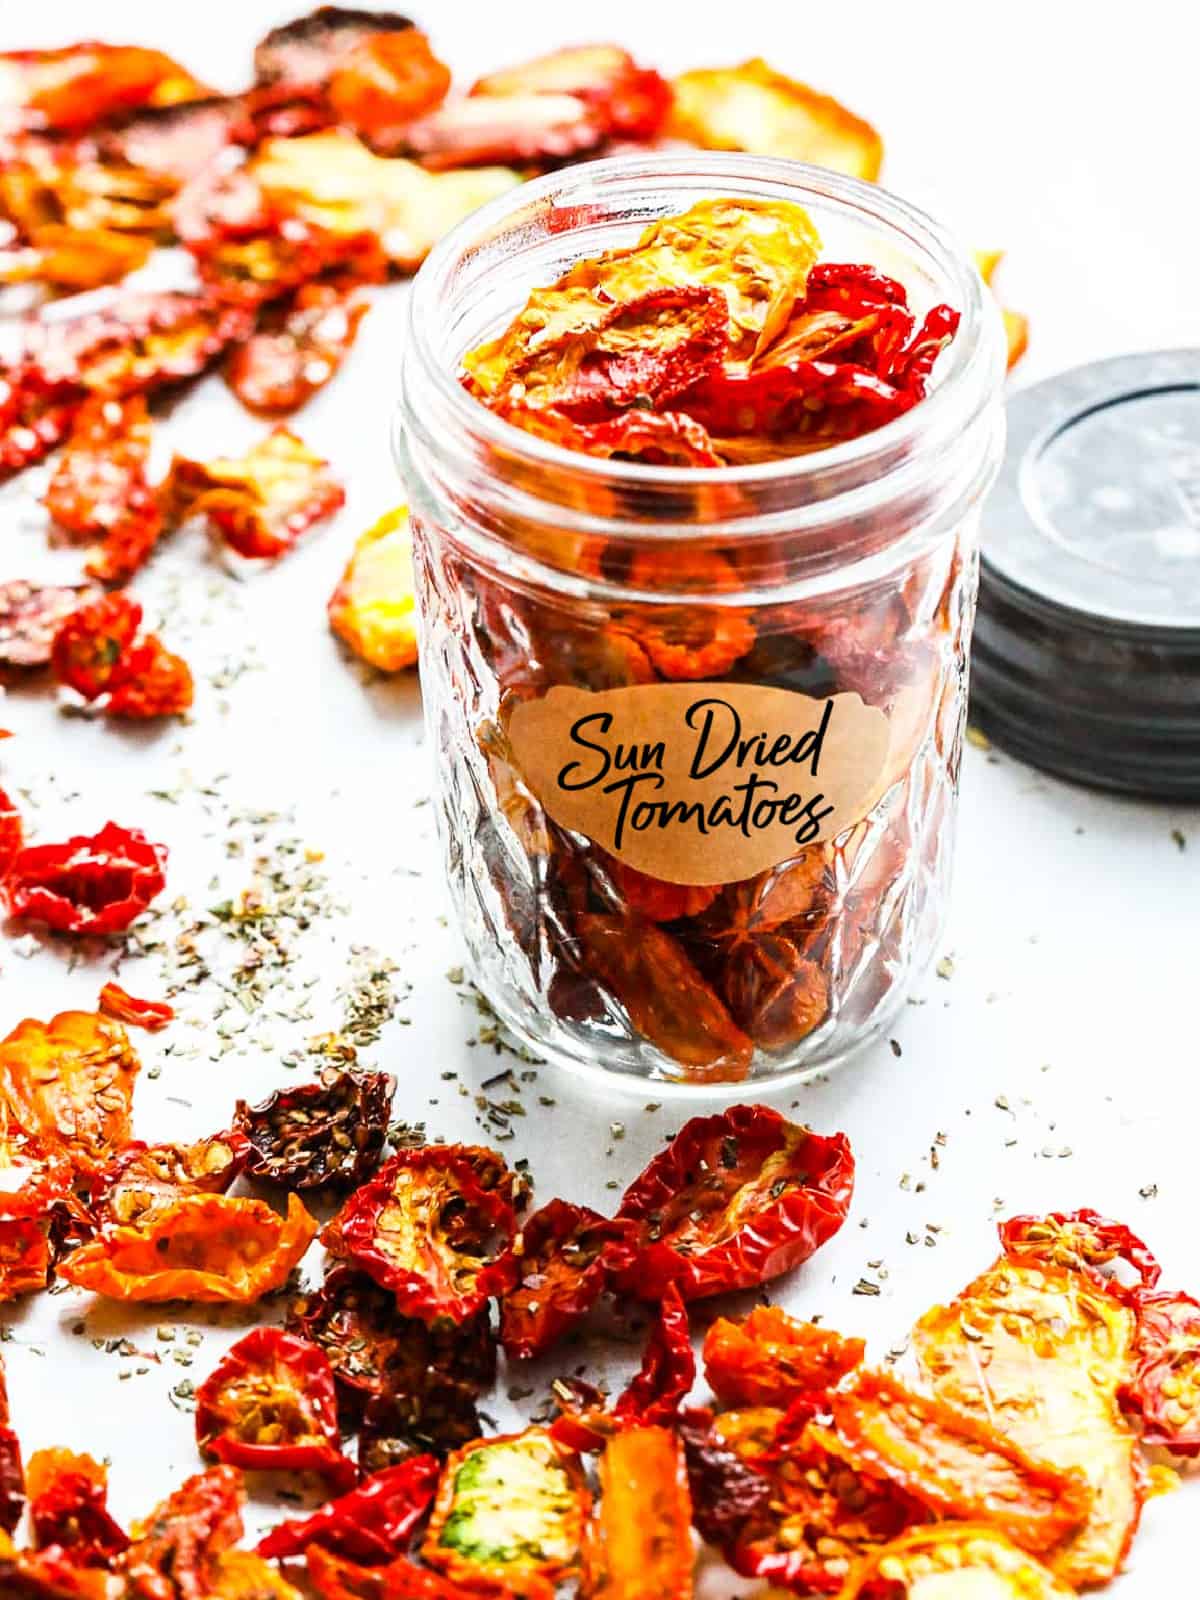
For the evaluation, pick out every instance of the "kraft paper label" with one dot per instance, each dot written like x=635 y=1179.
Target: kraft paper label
x=701 y=783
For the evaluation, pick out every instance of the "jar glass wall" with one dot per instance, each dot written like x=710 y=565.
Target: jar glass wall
x=847 y=572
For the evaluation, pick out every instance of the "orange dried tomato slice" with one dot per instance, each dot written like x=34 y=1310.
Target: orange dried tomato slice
x=144 y=1178
x=687 y=641
x=177 y=1549
x=662 y=438
x=374 y=607
x=90 y=651
x=756 y=109
x=61 y=257
x=73 y=87
x=386 y=80
x=242 y=1575
x=770 y=1359
x=639 y=1542
x=119 y=1004
x=1016 y=326
x=36 y=1195
x=154 y=683
x=205 y=1247
x=295 y=353
x=70 y=1081
x=99 y=490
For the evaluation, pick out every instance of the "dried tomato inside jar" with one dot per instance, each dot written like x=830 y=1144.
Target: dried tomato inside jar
x=695 y=505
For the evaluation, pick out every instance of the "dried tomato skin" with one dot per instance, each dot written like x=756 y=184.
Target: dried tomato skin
x=174 y=1556
x=1164 y=1389
x=117 y=1003
x=278 y=369
x=324 y=1134
x=770 y=1358
x=144 y=1177
x=566 y=1256
x=1084 y=1241
x=90 y=650
x=817 y=1178
x=294 y=1387
x=68 y=1509
x=30 y=616
x=371 y=1524
x=92 y=885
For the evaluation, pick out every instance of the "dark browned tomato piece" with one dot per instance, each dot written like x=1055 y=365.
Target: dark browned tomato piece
x=440 y=1417
x=323 y=1134
x=773 y=992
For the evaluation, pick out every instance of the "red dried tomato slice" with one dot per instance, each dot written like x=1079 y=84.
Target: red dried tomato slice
x=633 y=101
x=733 y=1201
x=294 y=354
x=144 y=1178
x=1165 y=1387
x=771 y=1359
x=99 y=490
x=305 y=51
x=912 y=366
x=1084 y=1241
x=372 y=1524
x=31 y=614
x=90 y=650
x=425 y=1228
x=794 y=408
x=123 y=1007
x=96 y=884
x=385 y=81
x=270 y=1405
x=12 y=836
x=176 y=1555
x=566 y=1257
x=319 y=1134
x=659 y=901
x=154 y=683
x=852 y=288
x=68 y=1508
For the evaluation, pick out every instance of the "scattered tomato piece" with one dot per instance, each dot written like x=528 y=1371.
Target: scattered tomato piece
x=373 y=609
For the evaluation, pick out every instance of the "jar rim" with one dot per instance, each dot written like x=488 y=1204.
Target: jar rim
x=965 y=376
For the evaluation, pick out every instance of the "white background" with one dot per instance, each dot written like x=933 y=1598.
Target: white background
x=1062 y=132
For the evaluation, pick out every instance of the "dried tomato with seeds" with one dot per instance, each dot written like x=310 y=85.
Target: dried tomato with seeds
x=686 y=641
x=154 y=683
x=1084 y=1241
x=385 y=81
x=96 y=884
x=1164 y=1388
x=68 y=1508
x=99 y=490
x=770 y=1359
x=639 y=1542
x=207 y=1247
x=566 y=1257
x=733 y=1201
x=70 y=1082
x=90 y=651
x=371 y=1524
x=30 y=616
x=122 y=1006
x=732 y=1501
x=913 y=364
x=437 y=1415
x=425 y=1228
x=270 y=1405
x=334 y=1578
x=177 y=1548
x=293 y=354
x=146 y=1178
x=952 y=1558
x=250 y=266
x=319 y=1135
x=632 y=100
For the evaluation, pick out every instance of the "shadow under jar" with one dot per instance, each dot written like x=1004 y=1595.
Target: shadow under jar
x=842 y=578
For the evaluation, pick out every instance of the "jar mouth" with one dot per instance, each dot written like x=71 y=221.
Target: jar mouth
x=457 y=424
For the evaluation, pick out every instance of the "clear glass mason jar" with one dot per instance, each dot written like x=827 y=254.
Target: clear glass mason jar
x=851 y=570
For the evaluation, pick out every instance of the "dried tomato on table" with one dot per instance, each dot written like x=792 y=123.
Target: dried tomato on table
x=481 y=1534
x=70 y=1083
x=385 y=81
x=1164 y=1386
x=320 y=1134
x=98 y=651
x=335 y=1578
x=12 y=836
x=371 y=1524
x=270 y=1405
x=259 y=503
x=639 y=1542
x=374 y=607
x=96 y=884
x=206 y=1247
x=953 y=1557
x=632 y=100
x=771 y=1359
x=71 y=88
x=48 y=1575
x=31 y=614
x=773 y=990
x=297 y=350
x=243 y=1575
x=427 y=1229
x=122 y=1006
x=61 y=258
x=12 y=1473
x=68 y=1508
x=144 y=1178
x=1086 y=1242
x=305 y=52
x=36 y=1206
x=735 y=1200
x=566 y=1257
x=177 y=1550
x=99 y=490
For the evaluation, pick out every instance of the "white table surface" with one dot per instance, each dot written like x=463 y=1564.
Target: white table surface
x=1059 y=1058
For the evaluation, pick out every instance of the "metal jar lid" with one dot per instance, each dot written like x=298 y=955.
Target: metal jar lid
x=1086 y=658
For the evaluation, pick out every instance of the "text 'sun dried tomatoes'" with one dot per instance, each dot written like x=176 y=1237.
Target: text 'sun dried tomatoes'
x=270 y=1405
x=96 y=884
x=319 y=1135
x=566 y=1257
x=427 y=1229
x=733 y=1201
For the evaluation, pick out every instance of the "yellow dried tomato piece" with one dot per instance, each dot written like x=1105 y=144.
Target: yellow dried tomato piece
x=949 y=1560
x=212 y=1247
x=639 y=1542
x=333 y=181
x=1041 y=1353
x=756 y=109
x=70 y=1081
x=373 y=608
x=242 y=1575
x=1016 y=326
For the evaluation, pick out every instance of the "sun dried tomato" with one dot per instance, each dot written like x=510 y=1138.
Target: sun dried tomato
x=177 y=1549
x=91 y=884
x=145 y=1178
x=566 y=1257
x=796 y=895
x=770 y=1359
x=773 y=991
x=31 y=614
x=756 y=109
x=1016 y=326
x=731 y=1499
x=639 y=1542
x=68 y=1508
x=172 y=141
x=12 y=836
x=954 y=1464
x=48 y=1575
x=35 y=415
x=386 y=80
x=374 y=607
x=1059 y=1344
x=121 y=1006
x=518 y=130
x=439 y=1416
x=259 y=503
x=669 y=1003
x=371 y=1524
x=200 y=1247
x=278 y=253
x=662 y=438
x=320 y=1134
x=35 y=1202
x=296 y=350
x=154 y=683
x=659 y=901
x=632 y=101
x=1164 y=1387
x=852 y=287
x=334 y=1578
x=955 y=1557
x=734 y=1200
x=99 y=490
x=242 y=1575
x=61 y=258
x=482 y=1535
x=70 y=1083
x=914 y=363
x=687 y=640
x=426 y=1229
x=270 y=1405
x=12 y=1473
x=90 y=651
x=72 y=87
x=1084 y=1241
x=307 y=50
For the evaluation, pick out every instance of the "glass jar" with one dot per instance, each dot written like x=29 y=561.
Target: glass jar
x=844 y=579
